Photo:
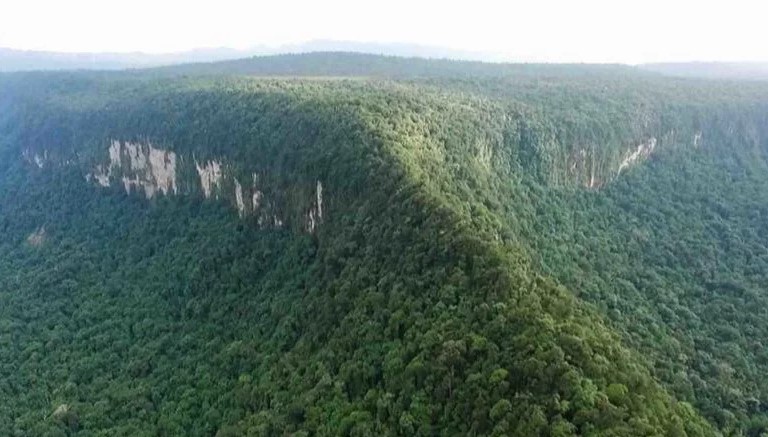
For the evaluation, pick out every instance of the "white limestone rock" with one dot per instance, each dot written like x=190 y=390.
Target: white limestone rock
x=210 y=177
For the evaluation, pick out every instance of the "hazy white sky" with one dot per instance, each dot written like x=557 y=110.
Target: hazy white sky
x=529 y=30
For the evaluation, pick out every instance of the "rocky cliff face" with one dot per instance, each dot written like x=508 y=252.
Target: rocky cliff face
x=144 y=168
x=592 y=167
x=140 y=167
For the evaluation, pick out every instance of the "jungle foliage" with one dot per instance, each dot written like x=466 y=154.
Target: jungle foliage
x=464 y=281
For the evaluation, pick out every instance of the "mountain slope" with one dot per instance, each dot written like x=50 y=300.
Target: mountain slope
x=363 y=257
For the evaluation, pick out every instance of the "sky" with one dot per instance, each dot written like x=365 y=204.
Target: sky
x=531 y=30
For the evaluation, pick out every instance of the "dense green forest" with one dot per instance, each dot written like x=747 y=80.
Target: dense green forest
x=431 y=248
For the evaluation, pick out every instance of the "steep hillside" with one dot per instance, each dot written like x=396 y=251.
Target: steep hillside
x=503 y=256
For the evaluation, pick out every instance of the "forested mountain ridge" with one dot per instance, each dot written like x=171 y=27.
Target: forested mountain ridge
x=498 y=256
x=345 y=64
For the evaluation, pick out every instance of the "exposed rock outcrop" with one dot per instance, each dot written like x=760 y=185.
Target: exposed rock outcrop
x=140 y=167
x=315 y=215
x=37 y=159
x=210 y=177
x=37 y=238
x=641 y=152
x=239 y=200
x=143 y=168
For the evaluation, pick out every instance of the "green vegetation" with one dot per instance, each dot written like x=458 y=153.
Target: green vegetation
x=464 y=281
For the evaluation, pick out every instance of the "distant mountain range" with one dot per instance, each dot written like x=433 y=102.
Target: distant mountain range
x=23 y=60
x=712 y=70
